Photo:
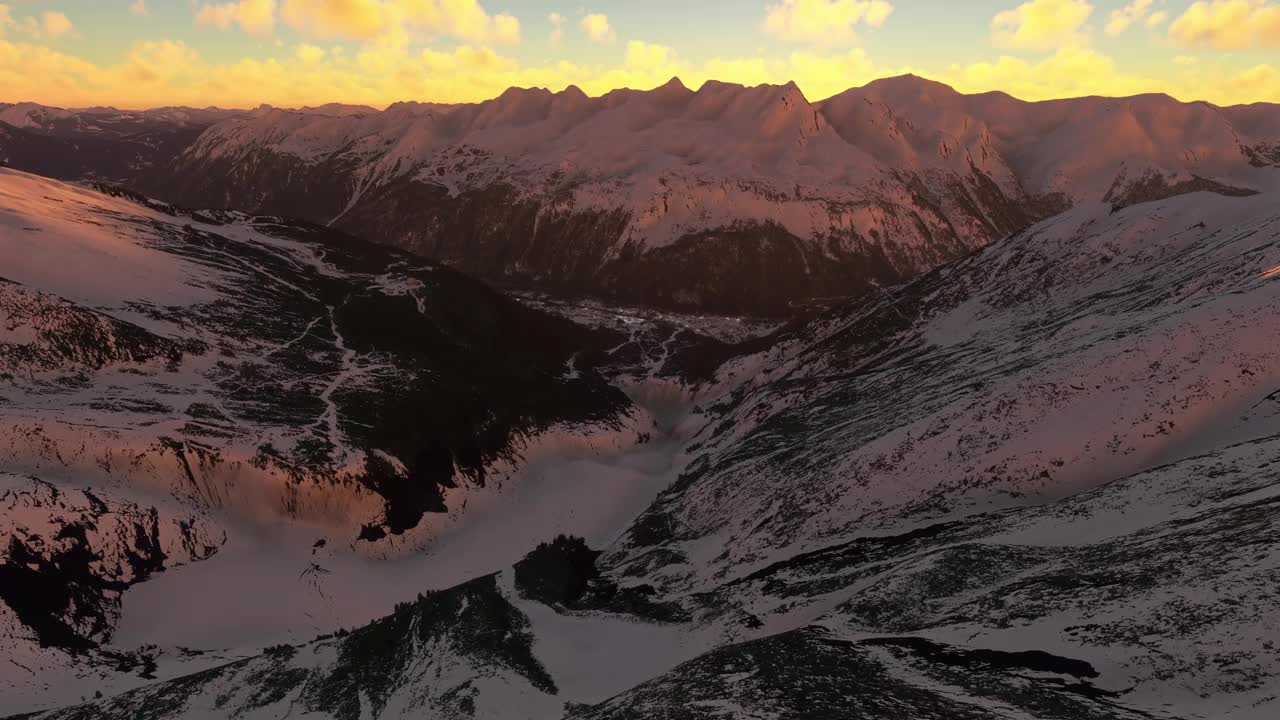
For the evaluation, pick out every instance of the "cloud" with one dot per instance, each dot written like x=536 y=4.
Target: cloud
x=1042 y=25
x=1258 y=82
x=46 y=26
x=823 y=22
x=390 y=21
x=168 y=72
x=381 y=21
x=557 y=29
x=139 y=8
x=596 y=26
x=309 y=54
x=55 y=25
x=1077 y=72
x=361 y=19
x=1068 y=72
x=648 y=55
x=49 y=25
x=1137 y=11
x=821 y=76
x=1228 y=25
x=256 y=17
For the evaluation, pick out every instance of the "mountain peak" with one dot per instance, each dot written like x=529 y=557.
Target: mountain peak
x=572 y=91
x=910 y=84
x=719 y=85
x=514 y=93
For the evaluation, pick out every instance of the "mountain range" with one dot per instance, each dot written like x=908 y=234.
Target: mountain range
x=440 y=411
x=726 y=199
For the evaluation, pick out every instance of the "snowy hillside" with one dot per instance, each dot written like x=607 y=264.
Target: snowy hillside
x=1037 y=482
x=178 y=387
x=1064 y=444
x=724 y=199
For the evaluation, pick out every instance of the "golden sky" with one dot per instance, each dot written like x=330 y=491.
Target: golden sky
x=240 y=53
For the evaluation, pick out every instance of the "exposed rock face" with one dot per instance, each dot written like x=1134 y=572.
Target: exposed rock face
x=724 y=199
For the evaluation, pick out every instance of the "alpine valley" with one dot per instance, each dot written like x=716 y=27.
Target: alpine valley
x=664 y=404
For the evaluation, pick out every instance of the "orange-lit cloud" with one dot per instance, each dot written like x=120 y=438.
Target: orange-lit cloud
x=557 y=28
x=389 y=64
x=1042 y=24
x=49 y=25
x=161 y=73
x=1228 y=25
x=309 y=54
x=369 y=19
x=54 y=25
x=823 y=21
x=387 y=21
x=362 y=19
x=256 y=17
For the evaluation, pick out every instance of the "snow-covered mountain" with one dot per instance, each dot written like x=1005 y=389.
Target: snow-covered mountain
x=724 y=199
x=101 y=142
x=727 y=198
x=1036 y=482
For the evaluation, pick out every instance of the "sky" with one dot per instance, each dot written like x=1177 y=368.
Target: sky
x=242 y=53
